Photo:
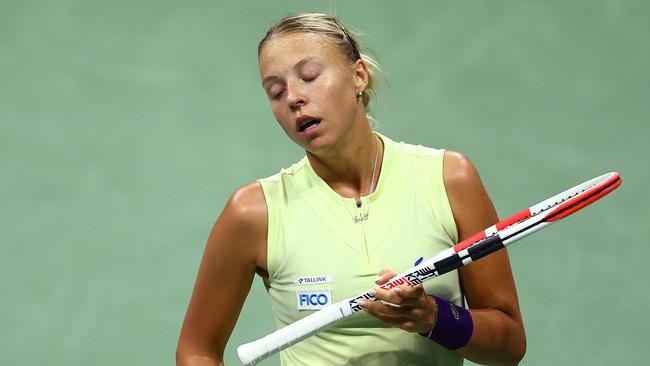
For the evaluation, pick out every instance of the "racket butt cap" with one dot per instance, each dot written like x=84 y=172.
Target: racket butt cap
x=249 y=354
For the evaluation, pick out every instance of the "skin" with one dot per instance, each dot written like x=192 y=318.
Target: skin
x=305 y=75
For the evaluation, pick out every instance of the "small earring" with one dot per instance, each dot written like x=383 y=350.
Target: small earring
x=359 y=95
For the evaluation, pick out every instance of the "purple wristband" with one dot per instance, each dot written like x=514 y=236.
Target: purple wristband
x=453 y=327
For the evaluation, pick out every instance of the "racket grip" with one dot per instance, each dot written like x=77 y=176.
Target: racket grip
x=254 y=352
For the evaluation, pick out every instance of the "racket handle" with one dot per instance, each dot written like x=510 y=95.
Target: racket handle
x=254 y=352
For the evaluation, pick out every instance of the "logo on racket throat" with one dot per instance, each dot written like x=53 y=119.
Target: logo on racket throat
x=395 y=283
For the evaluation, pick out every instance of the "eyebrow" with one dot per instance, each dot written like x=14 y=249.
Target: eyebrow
x=297 y=66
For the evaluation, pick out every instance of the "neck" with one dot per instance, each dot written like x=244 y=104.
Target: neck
x=348 y=169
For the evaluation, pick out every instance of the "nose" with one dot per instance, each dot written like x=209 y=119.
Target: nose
x=295 y=95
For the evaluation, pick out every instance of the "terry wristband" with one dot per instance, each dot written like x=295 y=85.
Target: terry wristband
x=453 y=327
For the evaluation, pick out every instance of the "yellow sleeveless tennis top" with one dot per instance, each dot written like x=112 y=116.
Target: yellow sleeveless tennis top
x=322 y=248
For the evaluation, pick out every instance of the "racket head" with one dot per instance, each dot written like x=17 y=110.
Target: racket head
x=527 y=221
x=602 y=186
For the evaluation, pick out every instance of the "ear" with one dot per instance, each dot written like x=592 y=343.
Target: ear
x=361 y=75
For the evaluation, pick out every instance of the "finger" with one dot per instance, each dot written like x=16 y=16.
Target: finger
x=409 y=319
x=411 y=291
x=393 y=314
x=391 y=296
x=384 y=276
x=410 y=326
x=404 y=312
x=403 y=295
x=395 y=320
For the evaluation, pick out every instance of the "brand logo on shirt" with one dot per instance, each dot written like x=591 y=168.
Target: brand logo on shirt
x=313 y=280
x=313 y=300
x=360 y=217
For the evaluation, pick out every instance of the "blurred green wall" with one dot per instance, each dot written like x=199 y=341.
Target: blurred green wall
x=124 y=126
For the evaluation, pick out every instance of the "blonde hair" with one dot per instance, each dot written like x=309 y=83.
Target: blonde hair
x=330 y=27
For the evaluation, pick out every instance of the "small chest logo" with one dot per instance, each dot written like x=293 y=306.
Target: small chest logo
x=360 y=217
x=314 y=280
x=313 y=300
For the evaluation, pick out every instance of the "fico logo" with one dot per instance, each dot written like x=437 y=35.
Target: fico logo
x=313 y=300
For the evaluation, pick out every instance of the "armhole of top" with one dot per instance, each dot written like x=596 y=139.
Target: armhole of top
x=446 y=215
x=271 y=229
x=439 y=192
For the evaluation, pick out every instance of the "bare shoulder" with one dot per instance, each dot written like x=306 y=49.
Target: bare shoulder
x=470 y=203
x=459 y=174
x=242 y=226
x=247 y=204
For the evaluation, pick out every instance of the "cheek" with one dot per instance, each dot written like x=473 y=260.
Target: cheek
x=341 y=97
x=340 y=90
x=281 y=116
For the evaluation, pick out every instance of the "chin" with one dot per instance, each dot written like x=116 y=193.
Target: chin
x=316 y=144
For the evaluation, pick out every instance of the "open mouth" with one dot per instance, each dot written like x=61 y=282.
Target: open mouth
x=309 y=123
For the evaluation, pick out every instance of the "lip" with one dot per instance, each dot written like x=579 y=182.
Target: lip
x=310 y=130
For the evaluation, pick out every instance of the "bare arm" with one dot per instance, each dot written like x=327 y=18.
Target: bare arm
x=489 y=287
x=498 y=337
x=235 y=250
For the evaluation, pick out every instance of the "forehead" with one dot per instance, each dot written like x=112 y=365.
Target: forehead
x=287 y=50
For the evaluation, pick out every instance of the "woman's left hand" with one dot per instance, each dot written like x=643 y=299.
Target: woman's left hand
x=405 y=307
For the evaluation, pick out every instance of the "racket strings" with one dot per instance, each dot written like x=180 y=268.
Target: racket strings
x=557 y=203
x=535 y=214
x=584 y=199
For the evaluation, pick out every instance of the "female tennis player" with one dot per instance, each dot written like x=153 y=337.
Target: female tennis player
x=356 y=207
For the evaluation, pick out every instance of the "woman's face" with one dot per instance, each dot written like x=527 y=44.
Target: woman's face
x=312 y=88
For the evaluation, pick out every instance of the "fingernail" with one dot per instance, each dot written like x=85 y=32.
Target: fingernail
x=372 y=292
x=397 y=290
x=362 y=303
x=379 y=278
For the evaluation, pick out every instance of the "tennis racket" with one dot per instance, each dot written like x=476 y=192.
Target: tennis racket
x=467 y=251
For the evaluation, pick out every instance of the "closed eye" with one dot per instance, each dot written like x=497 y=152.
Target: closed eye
x=310 y=78
x=276 y=95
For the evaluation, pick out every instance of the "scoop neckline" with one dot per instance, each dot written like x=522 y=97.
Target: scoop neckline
x=372 y=196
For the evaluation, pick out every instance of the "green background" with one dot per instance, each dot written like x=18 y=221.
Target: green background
x=125 y=126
